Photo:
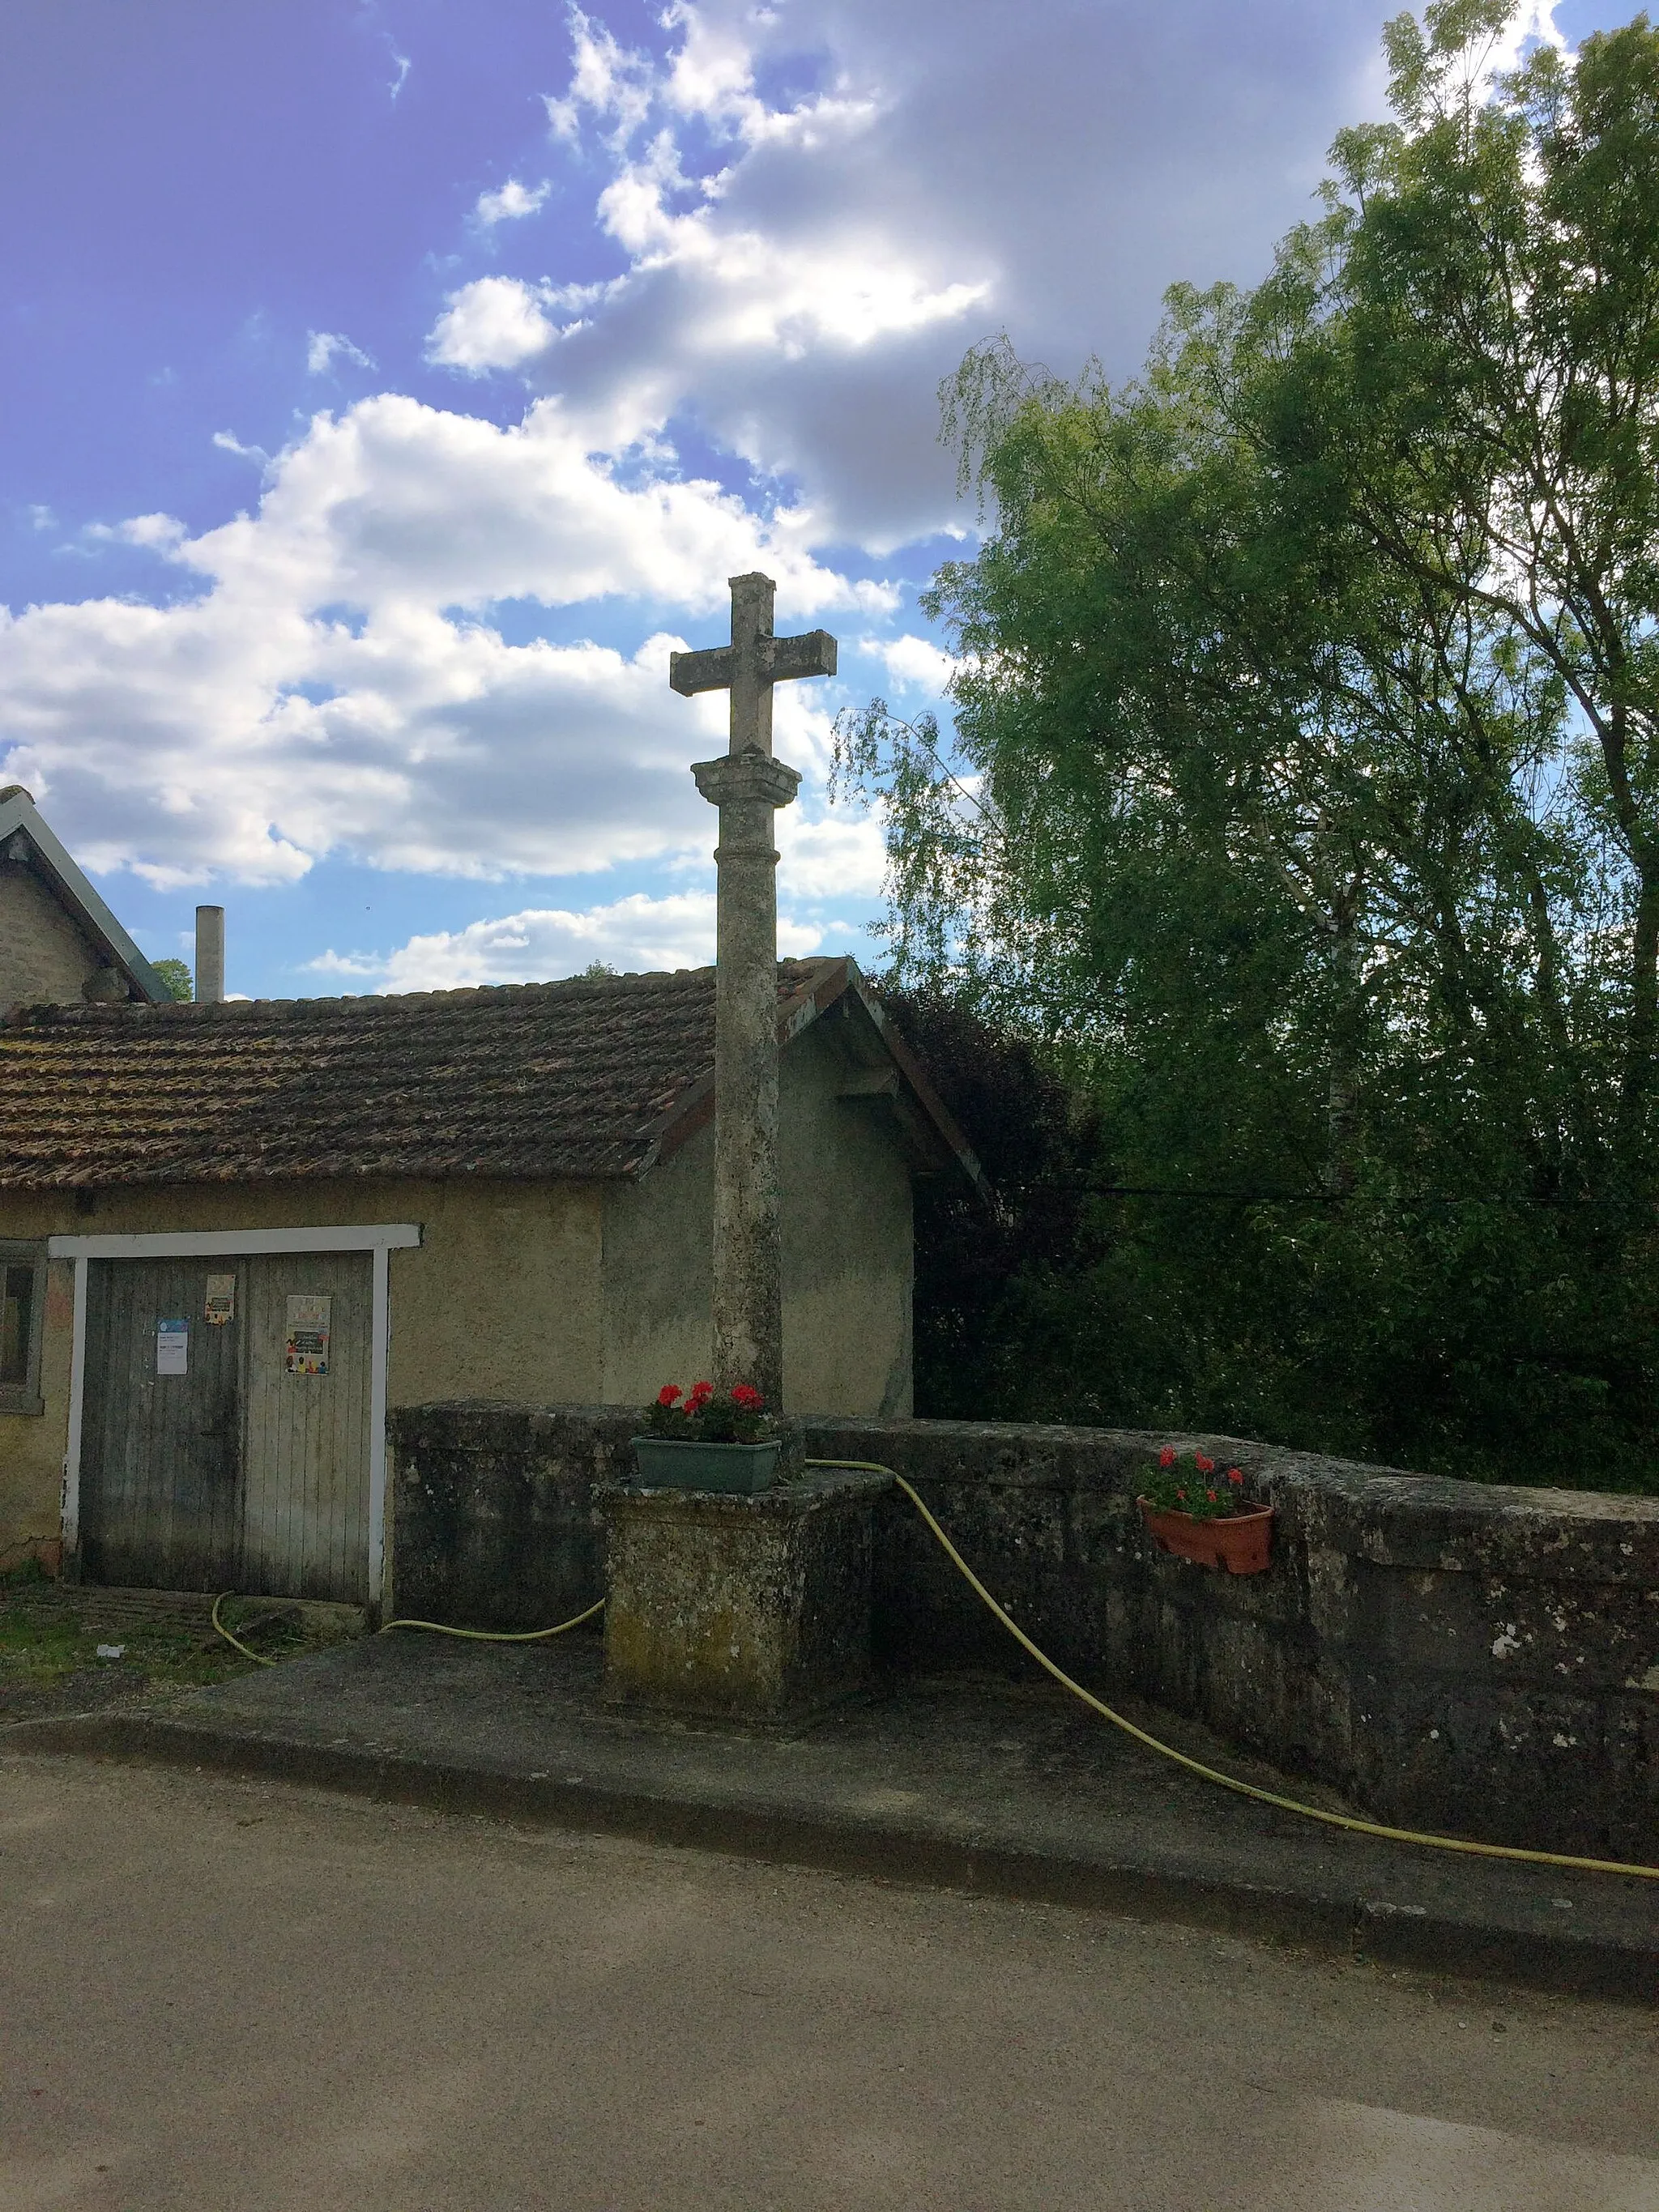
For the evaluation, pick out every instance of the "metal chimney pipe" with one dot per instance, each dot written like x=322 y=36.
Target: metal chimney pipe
x=209 y=955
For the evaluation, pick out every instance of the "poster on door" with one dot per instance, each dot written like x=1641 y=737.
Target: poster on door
x=172 y=1347
x=307 y=1334
x=220 y=1305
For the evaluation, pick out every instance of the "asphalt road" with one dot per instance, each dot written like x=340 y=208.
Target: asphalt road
x=257 y=1998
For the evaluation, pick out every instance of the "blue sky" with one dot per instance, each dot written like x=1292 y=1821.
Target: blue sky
x=389 y=386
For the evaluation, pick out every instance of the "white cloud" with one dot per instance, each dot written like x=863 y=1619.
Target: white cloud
x=632 y=935
x=829 y=856
x=323 y=346
x=914 y=662
x=228 y=442
x=605 y=79
x=156 y=533
x=509 y=202
x=338 y=684
x=496 y=322
x=800 y=271
x=1532 y=24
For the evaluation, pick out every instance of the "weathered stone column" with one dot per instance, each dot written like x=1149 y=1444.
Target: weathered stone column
x=748 y=1294
x=748 y=786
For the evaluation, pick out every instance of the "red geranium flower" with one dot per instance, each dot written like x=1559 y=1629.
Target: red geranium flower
x=1213 y=1500
x=668 y=1392
x=1233 y=1475
x=1204 y=1465
x=1182 y=1495
x=1166 y=1457
x=746 y=1395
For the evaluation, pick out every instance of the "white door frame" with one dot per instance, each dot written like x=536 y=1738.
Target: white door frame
x=379 y=1238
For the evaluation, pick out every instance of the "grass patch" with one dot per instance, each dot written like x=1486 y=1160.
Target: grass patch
x=45 y=1640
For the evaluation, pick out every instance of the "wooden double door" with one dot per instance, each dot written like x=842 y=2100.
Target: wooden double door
x=225 y=1424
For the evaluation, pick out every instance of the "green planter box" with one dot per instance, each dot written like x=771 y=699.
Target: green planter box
x=666 y=1464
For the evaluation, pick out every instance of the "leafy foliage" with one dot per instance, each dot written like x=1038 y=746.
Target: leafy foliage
x=176 y=974
x=981 y=1282
x=1303 y=808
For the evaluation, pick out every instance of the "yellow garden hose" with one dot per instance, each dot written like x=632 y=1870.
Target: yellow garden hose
x=436 y=1627
x=258 y=1658
x=1212 y=1774
x=491 y=1635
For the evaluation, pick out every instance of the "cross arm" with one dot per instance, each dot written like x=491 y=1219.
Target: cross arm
x=813 y=655
x=691 y=673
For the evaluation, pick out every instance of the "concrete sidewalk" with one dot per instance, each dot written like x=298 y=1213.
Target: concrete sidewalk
x=966 y=1783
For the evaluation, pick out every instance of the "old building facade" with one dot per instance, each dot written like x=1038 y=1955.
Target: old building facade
x=59 y=943
x=252 y=1228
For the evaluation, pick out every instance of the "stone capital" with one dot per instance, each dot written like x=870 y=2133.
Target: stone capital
x=750 y=775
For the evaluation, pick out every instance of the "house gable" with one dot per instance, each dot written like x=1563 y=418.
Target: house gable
x=880 y=1066
x=846 y=1161
x=59 y=943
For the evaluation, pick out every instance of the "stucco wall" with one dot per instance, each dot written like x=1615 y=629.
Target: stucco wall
x=659 y=1237
x=32 y=1444
x=44 y=959
x=845 y=1188
x=848 y=1250
x=547 y=1293
x=502 y=1299
x=1458 y=1656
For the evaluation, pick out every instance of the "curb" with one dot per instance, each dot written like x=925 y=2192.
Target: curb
x=1564 y=1961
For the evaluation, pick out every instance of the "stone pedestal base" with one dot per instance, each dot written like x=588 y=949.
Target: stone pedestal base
x=739 y=1609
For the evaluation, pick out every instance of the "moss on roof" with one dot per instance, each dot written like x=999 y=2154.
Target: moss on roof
x=523 y=1081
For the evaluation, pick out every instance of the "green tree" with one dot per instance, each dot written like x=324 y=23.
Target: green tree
x=176 y=974
x=1492 y=333
x=1306 y=809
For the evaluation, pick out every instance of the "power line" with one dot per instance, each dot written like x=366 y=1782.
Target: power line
x=1399 y=1203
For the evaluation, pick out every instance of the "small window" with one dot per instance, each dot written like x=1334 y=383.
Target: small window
x=22 y=1299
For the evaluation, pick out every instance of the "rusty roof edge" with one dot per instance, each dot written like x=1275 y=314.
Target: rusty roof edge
x=677 y=1124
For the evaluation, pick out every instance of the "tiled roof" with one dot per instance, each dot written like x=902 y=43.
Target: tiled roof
x=531 y=1080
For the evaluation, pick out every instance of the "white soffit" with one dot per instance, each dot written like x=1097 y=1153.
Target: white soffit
x=207 y=1243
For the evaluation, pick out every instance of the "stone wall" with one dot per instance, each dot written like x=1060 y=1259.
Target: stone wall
x=1454 y=1656
x=495 y=1518
x=44 y=959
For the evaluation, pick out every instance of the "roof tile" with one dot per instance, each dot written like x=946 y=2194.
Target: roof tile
x=526 y=1081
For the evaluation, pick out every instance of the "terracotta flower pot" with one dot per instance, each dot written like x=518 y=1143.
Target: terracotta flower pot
x=1239 y=1542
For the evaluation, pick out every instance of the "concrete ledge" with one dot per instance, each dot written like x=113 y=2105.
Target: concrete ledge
x=970 y=1785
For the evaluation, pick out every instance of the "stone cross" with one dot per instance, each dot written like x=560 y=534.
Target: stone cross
x=747 y=785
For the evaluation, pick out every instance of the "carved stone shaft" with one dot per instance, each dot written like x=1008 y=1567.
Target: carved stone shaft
x=748 y=1294
x=747 y=785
